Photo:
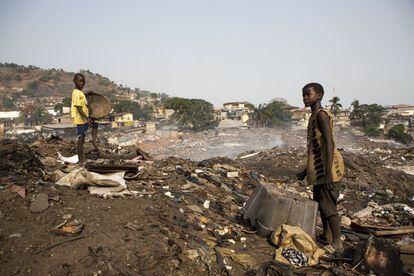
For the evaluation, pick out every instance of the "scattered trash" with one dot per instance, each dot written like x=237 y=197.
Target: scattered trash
x=195 y=208
x=192 y=210
x=49 y=161
x=169 y=194
x=19 y=190
x=380 y=256
x=105 y=183
x=295 y=257
x=249 y=155
x=69 y=160
x=286 y=207
x=243 y=259
x=15 y=235
x=206 y=204
x=66 y=228
x=345 y=221
x=293 y=237
x=57 y=175
x=232 y=174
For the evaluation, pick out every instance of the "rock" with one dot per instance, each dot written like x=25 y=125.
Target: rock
x=345 y=221
x=40 y=204
x=49 y=161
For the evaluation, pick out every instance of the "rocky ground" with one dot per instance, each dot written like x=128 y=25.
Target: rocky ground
x=184 y=216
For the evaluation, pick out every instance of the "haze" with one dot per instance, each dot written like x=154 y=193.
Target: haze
x=223 y=50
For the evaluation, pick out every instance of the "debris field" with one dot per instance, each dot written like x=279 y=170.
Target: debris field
x=179 y=217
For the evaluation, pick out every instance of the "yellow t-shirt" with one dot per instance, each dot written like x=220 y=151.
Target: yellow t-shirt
x=79 y=99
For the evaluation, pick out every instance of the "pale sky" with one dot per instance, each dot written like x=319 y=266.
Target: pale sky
x=224 y=50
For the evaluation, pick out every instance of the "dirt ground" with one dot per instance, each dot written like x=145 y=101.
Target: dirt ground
x=165 y=229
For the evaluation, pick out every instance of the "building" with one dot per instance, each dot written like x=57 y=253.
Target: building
x=235 y=105
x=400 y=109
x=300 y=116
x=163 y=113
x=150 y=127
x=398 y=119
x=238 y=115
x=342 y=118
x=237 y=111
x=9 y=118
x=123 y=119
x=66 y=110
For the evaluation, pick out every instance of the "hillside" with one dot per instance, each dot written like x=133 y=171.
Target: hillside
x=32 y=82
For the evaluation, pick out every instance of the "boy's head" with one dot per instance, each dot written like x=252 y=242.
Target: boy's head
x=79 y=81
x=312 y=93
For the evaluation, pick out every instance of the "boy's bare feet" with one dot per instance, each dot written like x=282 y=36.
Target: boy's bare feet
x=325 y=238
x=337 y=245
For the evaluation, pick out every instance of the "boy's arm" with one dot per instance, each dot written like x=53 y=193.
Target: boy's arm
x=79 y=108
x=325 y=127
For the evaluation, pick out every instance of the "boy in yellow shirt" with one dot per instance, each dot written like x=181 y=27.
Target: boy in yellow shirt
x=80 y=114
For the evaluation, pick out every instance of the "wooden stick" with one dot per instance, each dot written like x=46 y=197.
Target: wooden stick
x=394 y=232
x=61 y=242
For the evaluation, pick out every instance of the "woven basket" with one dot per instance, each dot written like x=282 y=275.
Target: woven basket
x=99 y=106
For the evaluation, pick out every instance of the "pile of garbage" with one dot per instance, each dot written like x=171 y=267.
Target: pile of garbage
x=174 y=215
x=17 y=159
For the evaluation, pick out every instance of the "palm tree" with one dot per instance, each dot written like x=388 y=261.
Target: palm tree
x=335 y=105
x=355 y=115
x=355 y=104
x=260 y=116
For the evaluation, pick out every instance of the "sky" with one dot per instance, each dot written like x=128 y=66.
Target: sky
x=224 y=50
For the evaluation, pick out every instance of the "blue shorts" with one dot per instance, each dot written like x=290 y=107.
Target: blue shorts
x=82 y=129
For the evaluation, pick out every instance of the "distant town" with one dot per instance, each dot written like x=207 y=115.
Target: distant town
x=33 y=100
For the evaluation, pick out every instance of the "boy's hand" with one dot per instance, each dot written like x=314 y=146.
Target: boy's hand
x=301 y=176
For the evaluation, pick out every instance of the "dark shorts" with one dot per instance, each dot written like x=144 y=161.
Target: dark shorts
x=94 y=124
x=82 y=129
x=327 y=199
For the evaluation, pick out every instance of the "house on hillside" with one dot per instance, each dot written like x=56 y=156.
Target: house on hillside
x=163 y=113
x=9 y=118
x=66 y=110
x=150 y=127
x=123 y=119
